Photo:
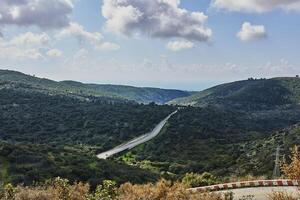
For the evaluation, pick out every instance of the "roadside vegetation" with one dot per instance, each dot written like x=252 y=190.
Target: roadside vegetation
x=61 y=189
x=291 y=170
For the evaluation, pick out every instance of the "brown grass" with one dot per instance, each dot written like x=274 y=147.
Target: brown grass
x=163 y=190
x=281 y=196
x=292 y=170
x=60 y=189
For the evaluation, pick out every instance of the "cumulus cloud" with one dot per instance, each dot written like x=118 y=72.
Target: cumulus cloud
x=179 y=45
x=45 y=14
x=256 y=5
x=31 y=39
x=80 y=33
x=14 y=52
x=24 y=46
x=251 y=32
x=54 y=53
x=94 y=38
x=155 y=18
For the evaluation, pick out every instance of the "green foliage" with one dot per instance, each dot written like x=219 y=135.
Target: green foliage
x=108 y=190
x=191 y=180
x=62 y=187
x=8 y=192
x=31 y=164
x=223 y=142
x=47 y=134
x=41 y=119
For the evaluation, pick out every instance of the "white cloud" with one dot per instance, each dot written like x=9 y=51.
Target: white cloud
x=93 y=38
x=13 y=53
x=46 y=14
x=179 y=45
x=155 y=18
x=80 y=33
x=251 y=32
x=24 y=46
x=256 y=5
x=31 y=39
x=280 y=68
x=54 y=53
x=107 y=46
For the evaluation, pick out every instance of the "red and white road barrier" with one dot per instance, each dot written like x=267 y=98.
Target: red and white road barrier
x=247 y=184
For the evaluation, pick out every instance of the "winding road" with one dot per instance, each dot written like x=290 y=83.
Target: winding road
x=137 y=141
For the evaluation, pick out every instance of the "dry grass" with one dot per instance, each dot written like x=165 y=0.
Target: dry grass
x=292 y=170
x=281 y=196
x=163 y=190
x=62 y=190
x=245 y=178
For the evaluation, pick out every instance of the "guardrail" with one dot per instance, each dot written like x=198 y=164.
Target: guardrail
x=247 y=184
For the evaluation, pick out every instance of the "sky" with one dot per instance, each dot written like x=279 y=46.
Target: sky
x=183 y=44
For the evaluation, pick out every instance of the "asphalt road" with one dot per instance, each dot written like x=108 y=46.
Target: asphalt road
x=137 y=141
x=261 y=193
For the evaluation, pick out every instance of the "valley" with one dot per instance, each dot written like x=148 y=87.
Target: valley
x=48 y=130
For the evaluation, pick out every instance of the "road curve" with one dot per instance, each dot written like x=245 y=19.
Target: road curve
x=258 y=189
x=137 y=141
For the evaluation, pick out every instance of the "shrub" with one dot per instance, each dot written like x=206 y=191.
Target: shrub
x=107 y=191
x=191 y=180
x=9 y=192
x=292 y=170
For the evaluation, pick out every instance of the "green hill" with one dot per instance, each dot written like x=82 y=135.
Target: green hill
x=248 y=95
x=43 y=136
x=12 y=79
x=228 y=131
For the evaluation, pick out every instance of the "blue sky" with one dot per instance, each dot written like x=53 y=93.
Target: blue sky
x=185 y=44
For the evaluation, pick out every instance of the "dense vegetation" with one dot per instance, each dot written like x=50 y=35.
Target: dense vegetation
x=50 y=129
x=25 y=163
x=252 y=94
x=61 y=189
x=41 y=119
x=225 y=142
x=12 y=79
x=55 y=135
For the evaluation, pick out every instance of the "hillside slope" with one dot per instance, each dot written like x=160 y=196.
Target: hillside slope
x=220 y=133
x=13 y=79
x=248 y=95
x=43 y=136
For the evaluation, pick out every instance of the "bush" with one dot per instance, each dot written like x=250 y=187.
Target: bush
x=292 y=170
x=191 y=180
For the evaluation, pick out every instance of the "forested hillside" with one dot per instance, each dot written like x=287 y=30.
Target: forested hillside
x=13 y=79
x=226 y=130
x=252 y=94
x=232 y=130
x=45 y=135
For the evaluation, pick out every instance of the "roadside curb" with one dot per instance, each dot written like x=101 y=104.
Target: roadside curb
x=247 y=184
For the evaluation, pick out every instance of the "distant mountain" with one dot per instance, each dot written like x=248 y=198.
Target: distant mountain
x=17 y=80
x=249 y=94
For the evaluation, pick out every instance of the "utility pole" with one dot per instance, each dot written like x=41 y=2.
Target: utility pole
x=276 y=171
